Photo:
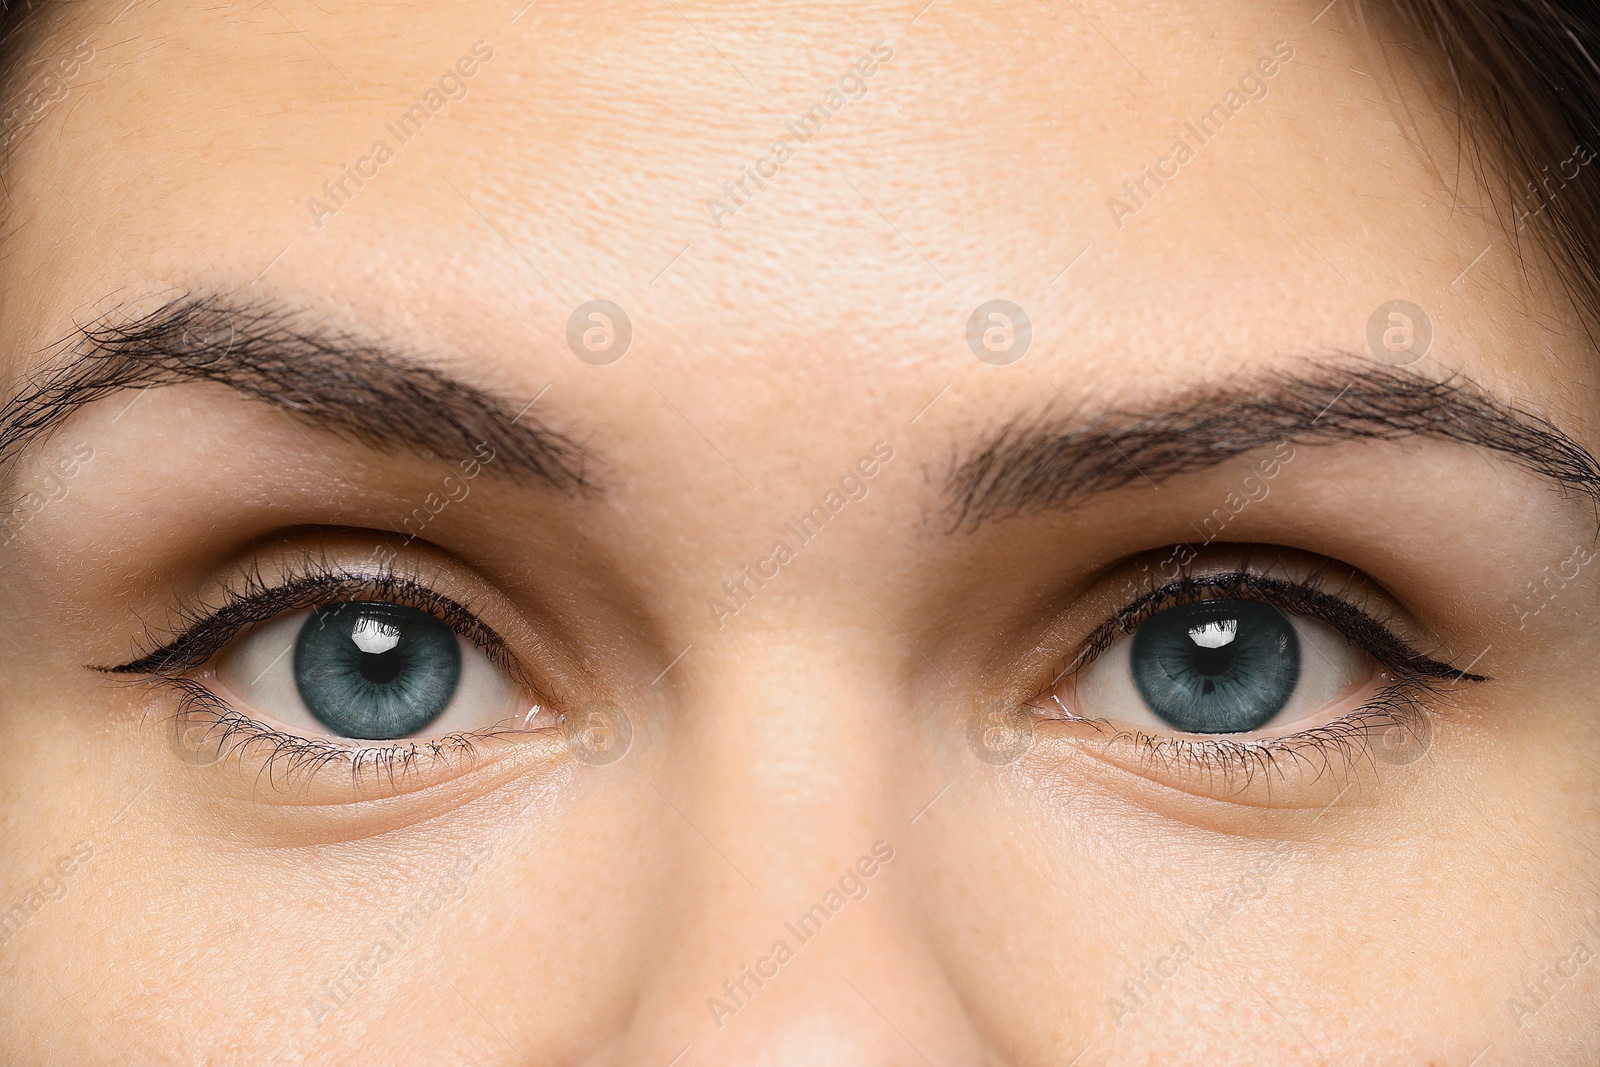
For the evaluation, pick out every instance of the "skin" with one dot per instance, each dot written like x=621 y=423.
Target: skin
x=1391 y=914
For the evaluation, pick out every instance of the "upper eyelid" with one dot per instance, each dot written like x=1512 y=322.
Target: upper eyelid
x=206 y=631
x=1372 y=636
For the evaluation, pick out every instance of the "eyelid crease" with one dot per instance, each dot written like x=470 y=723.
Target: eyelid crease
x=202 y=631
x=1295 y=595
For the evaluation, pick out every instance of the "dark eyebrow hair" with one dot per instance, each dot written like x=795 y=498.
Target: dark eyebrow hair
x=349 y=387
x=1048 y=463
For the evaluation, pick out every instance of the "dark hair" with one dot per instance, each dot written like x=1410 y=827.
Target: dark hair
x=1526 y=79
x=1526 y=76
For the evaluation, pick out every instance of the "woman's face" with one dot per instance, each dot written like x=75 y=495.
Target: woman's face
x=1066 y=539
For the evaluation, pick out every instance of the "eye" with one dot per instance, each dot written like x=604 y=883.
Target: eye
x=1255 y=677
x=366 y=670
x=1223 y=666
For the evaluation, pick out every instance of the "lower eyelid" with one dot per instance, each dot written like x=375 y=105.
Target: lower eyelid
x=1350 y=761
x=248 y=761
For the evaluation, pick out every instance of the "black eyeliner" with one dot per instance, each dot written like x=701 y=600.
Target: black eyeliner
x=1357 y=626
x=202 y=632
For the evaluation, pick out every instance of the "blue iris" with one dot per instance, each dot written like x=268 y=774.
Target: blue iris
x=375 y=671
x=1217 y=667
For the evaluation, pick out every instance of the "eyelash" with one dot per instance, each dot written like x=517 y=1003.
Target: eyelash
x=1345 y=739
x=201 y=631
x=228 y=731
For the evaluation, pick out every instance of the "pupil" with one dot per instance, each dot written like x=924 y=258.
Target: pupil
x=382 y=668
x=1212 y=660
x=1220 y=666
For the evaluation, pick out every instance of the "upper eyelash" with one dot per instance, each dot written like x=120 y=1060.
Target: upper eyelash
x=1358 y=626
x=203 y=631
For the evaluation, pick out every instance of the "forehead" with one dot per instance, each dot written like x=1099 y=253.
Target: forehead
x=813 y=194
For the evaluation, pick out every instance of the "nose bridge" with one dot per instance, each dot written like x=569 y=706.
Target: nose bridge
x=791 y=937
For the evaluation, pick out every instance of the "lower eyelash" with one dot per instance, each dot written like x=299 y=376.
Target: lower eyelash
x=1338 y=747
x=205 y=725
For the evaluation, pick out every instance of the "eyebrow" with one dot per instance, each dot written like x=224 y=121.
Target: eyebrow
x=1048 y=463
x=355 y=389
